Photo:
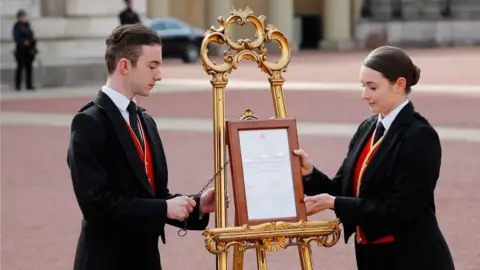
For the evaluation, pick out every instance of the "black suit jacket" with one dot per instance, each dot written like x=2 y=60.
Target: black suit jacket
x=397 y=191
x=128 y=16
x=122 y=218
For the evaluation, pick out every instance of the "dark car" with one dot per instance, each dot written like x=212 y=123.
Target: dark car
x=179 y=39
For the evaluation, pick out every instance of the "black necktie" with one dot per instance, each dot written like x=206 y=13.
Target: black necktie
x=379 y=132
x=132 y=113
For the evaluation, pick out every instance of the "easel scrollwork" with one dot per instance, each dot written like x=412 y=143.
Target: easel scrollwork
x=271 y=236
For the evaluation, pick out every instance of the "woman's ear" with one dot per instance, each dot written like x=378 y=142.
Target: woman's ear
x=401 y=84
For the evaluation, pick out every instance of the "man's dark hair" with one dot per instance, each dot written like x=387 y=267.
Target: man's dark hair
x=21 y=13
x=126 y=41
x=393 y=63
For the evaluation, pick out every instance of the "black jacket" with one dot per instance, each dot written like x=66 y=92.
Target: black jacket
x=123 y=219
x=397 y=191
x=23 y=33
x=128 y=16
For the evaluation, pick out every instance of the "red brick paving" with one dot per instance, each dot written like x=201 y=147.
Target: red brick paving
x=40 y=218
x=343 y=107
x=439 y=66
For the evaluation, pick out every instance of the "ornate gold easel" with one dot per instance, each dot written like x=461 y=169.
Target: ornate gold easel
x=268 y=236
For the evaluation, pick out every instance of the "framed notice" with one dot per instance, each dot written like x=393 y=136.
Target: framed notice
x=267 y=181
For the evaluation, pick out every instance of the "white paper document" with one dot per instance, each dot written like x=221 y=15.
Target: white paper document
x=267 y=173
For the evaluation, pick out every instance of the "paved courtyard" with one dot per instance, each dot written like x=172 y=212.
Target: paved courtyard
x=40 y=219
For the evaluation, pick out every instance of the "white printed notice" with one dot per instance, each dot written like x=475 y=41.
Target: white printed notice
x=267 y=173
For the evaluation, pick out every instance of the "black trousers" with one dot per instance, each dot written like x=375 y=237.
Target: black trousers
x=24 y=58
x=382 y=256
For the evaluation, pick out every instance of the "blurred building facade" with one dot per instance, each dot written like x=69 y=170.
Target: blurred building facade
x=305 y=22
x=72 y=32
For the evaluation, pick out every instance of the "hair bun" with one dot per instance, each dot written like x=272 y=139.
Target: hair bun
x=416 y=75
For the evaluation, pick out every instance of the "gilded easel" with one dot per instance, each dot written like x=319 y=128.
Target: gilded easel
x=268 y=236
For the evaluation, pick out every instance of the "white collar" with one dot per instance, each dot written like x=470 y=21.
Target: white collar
x=120 y=100
x=387 y=121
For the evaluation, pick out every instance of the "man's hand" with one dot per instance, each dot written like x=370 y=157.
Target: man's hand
x=180 y=207
x=306 y=164
x=319 y=203
x=207 y=201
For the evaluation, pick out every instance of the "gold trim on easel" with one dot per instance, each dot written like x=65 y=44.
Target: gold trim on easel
x=248 y=114
x=270 y=236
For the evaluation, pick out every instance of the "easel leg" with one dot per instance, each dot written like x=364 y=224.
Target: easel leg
x=307 y=258
x=219 y=160
x=261 y=258
x=222 y=261
x=300 y=254
x=237 y=259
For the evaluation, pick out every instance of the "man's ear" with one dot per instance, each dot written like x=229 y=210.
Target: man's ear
x=124 y=66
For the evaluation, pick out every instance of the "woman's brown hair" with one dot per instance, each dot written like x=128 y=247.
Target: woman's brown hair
x=393 y=63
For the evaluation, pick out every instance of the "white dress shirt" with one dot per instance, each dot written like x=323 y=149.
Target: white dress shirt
x=120 y=101
x=387 y=121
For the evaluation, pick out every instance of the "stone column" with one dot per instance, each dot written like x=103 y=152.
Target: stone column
x=357 y=11
x=52 y=8
x=281 y=15
x=36 y=11
x=337 y=25
x=217 y=8
x=158 y=8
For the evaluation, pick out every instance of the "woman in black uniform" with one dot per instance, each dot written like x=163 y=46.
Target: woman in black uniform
x=384 y=189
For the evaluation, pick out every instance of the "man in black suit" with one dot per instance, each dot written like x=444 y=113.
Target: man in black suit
x=25 y=50
x=128 y=16
x=118 y=166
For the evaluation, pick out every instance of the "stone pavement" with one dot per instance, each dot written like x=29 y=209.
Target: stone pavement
x=441 y=67
x=40 y=218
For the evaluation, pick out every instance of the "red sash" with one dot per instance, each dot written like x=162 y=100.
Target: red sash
x=361 y=165
x=145 y=154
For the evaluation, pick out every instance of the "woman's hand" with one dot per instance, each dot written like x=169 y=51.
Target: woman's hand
x=306 y=164
x=319 y=203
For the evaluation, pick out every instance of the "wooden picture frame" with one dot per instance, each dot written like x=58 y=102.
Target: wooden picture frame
x=266 y=175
